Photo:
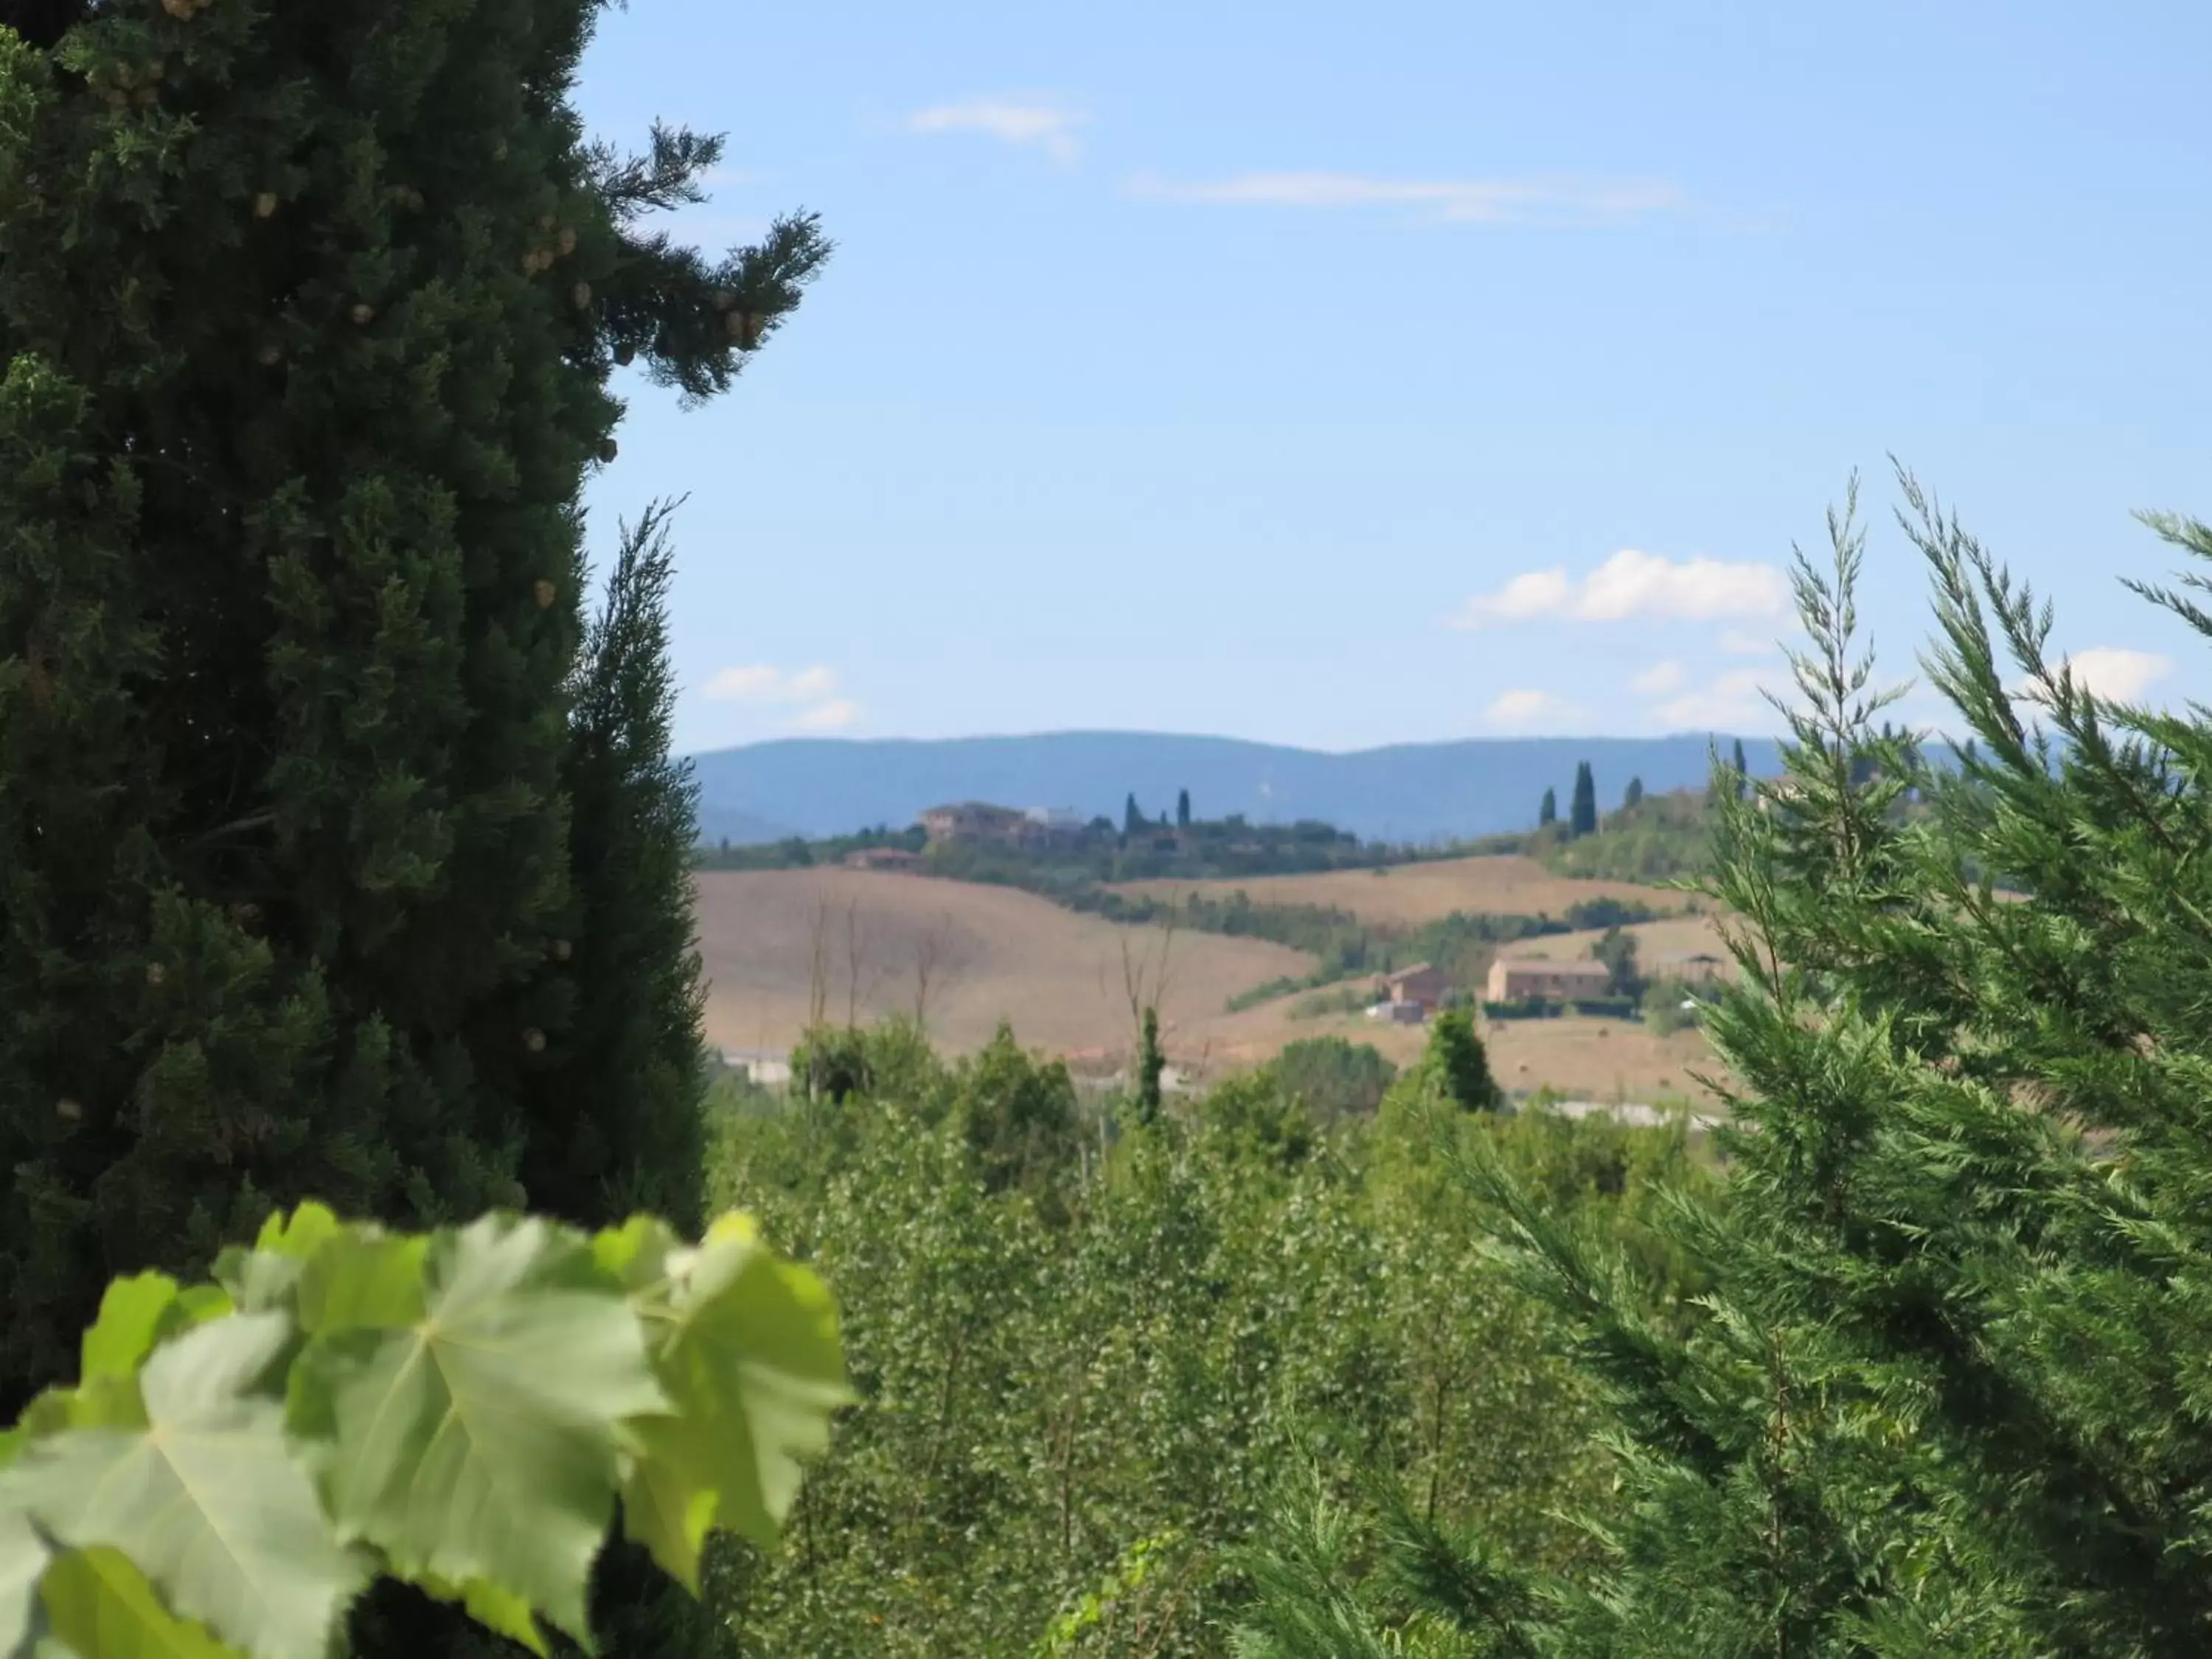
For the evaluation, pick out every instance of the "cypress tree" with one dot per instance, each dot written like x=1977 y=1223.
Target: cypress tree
x=307 y=321
x=1547 y=810
x=1151 y=1065
x=1183 y=810
x=1582 y=812
x=635 y=1037
x=1633 y=797
x=1133 y=820
x=1459 y=1065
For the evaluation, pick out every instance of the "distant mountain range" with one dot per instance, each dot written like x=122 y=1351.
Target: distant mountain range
x=1408 y=793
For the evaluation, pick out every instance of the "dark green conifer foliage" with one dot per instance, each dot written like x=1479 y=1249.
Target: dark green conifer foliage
x=635 y=1037
x=1633 y=797
x=1739 y=772
x=1132 y=819
x=1151 y=1065
x=308 y=315
x=1944 y=1392
x=1182 y=809
x=1547 y=810
x=1459 y=1062
x=1581 y=812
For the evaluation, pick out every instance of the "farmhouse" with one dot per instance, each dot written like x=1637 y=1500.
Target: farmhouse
x=977 y=821
x=1533 y=979
x=894 y=858
x=1420 y=986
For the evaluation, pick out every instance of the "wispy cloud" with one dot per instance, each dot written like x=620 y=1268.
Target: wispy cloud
x=1045 y=123
x=1659 y=679
x=1523 y=708
x=813 y=691
x=832 y=716
x=2114 y=672
x=1632 y=584
x=1463 y=201
x=1732 y=701
x=760 y=683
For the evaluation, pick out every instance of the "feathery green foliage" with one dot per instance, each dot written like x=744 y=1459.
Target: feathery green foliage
x=1943 y=1391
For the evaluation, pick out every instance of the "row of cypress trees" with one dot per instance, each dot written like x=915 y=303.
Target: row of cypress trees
x=341 y=852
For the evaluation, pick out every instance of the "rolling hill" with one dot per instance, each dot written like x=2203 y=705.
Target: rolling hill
x=995 y=953
x=1408 y=793
x=1407 y=894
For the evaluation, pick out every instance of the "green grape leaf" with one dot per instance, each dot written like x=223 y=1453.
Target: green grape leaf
x=99 y=1605
x=24 y=1558
x=363 y=1279
x=482 y=1441
x=304 y=1232
x=204 y=1496
x=746 y=1346
x=130 y=1323
x=494 y=1609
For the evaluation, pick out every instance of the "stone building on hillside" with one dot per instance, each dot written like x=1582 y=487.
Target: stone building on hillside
x=1538 y=978
x=978 y=822
x=1421 y=986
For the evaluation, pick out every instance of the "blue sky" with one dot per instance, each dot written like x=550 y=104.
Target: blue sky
x=1210 y=367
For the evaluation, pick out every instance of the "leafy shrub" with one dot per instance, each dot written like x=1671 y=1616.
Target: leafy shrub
x=1333 y=1077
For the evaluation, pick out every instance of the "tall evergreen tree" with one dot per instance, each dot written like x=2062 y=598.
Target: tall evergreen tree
x=1581 y=812
x=634 y=1035
x=1943 y=1392
x=1633 y=797
x=1547 y=810
x=1132 y=819
x=307 y=321
x=1739 y=775
x=1151 y=1066
x=1182 y=809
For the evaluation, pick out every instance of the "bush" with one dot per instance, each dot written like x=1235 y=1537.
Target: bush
x=1333 y=1077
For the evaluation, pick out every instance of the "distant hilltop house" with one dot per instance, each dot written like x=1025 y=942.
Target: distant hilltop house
x=1535 y=979
x=980 y=824
x=1422 y=986
x=896 y=859
x=1704 y=968
x=976 y=821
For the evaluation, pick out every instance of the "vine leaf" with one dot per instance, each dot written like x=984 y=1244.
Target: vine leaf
x=24 y=1557
x=480 y=1441
x=100 y=1607
x=202 y=1494
x=746 y=1347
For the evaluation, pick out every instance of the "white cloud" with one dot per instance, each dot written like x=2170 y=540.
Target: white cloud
x=761 y=683
x=1659 y=679
x=832 y=716
x=1045 y=123
x=1526 y=708
x=1733 y=700
x=2117 y=674
x=1633 y=584
x=1470 y=201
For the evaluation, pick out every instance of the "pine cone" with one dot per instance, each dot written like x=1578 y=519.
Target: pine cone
x=265 y=205
x=544 y=592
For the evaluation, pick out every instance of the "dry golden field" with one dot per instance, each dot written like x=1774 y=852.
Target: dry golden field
x=989 y=953
x=1407 y=894
x=868 y=940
